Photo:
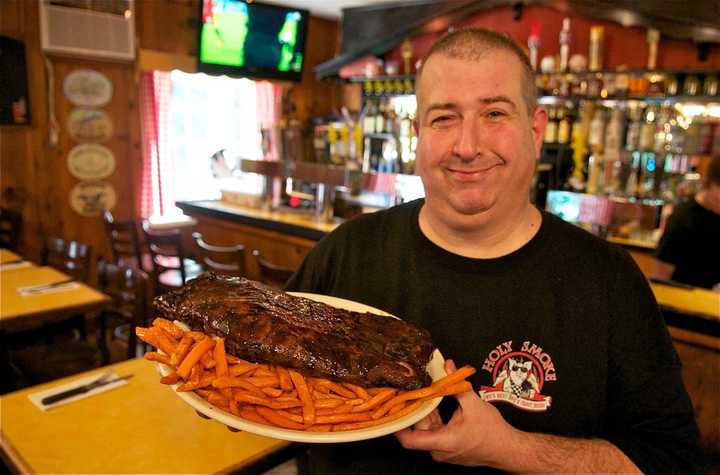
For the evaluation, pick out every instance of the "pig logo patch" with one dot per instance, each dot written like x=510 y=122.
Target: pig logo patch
x=518 y=376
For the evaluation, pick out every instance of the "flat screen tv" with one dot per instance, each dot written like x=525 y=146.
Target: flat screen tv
x=252 y=39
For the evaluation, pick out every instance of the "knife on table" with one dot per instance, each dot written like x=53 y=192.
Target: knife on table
x=43 y=287
x=102 y=381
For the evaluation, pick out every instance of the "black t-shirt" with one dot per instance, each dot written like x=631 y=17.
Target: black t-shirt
x=571 y=309
x=691 y=242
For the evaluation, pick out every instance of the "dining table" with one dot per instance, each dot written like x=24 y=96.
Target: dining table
x=6 y=255
x=139 y=427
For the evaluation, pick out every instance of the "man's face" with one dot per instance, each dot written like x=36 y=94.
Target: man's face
x=477 y=143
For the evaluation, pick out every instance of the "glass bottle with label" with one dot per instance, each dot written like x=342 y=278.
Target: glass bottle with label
x=552 y=126
x=563 y=134
x=647 y=131
x=597 y=129
x=632 y=137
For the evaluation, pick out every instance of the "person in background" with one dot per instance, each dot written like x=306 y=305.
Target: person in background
x=576 y=371
x=691 y=240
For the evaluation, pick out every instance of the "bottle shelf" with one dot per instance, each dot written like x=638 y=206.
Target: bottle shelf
x=559 y=100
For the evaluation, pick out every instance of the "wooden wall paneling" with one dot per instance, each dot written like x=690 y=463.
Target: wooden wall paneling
x=314 y=98
x=74 y=226
x=168 y=25
x=23 y=149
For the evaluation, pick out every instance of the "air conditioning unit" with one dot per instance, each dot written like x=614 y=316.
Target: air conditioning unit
x=101 y=29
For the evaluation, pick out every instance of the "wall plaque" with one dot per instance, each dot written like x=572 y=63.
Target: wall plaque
x=91 y=162
x=91 y=198
x=89 y=125
x=89 y=88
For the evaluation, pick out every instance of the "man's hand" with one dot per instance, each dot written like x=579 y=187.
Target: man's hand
x=474 y=436
x=478 y=435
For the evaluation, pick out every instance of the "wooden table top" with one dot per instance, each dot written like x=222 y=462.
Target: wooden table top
x=142 y=427
x=23 y=311
x=696 y=301
x=7 y=255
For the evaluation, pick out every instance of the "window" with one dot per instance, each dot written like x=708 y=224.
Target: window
x=187 y=118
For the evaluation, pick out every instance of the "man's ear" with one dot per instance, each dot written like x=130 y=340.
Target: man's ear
x=539 y=122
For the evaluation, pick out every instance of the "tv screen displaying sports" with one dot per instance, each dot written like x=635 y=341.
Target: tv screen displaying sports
x=258 y=40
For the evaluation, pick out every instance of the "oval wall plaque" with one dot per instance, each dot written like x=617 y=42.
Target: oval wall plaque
x=91 y=162
x=86 y=87
x=89 y=125
x=91 y=198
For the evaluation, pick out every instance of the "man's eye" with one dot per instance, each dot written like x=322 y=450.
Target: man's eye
x=496 y=114
x=441 y=120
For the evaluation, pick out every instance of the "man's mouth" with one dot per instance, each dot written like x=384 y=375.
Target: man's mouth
x=473 y=174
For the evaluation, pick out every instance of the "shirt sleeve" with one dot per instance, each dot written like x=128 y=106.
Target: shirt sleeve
x=674 y=238
x=650 y=415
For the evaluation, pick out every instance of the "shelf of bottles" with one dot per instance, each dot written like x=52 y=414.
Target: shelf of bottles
x=637 y=135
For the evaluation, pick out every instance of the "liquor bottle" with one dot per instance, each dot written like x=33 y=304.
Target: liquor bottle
x=369 y=118
x=595 y=168
x=647 y=130
x=597 y=130
x=390 y=120
x=551 y=130
x=580 y=150
x=380 y=118
x=596 y=48
x=534 y=45
x=565 y=45
x=563 y=134
x=653 y=38
x=632 y=137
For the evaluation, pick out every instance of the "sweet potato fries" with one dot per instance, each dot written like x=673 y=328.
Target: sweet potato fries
x=279 y=396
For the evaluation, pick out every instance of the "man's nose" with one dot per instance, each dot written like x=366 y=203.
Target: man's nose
x=467 y=142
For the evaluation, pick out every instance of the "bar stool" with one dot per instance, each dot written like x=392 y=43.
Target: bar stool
x=226 y=260
x=170 y=268
x=272 y=274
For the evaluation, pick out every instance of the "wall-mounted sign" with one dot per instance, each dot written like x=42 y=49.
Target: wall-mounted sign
x=89 y=125
x=91 y=162
x=91 y=198
x=89 y=88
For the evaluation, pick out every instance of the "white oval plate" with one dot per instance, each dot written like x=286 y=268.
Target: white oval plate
x=435 y=368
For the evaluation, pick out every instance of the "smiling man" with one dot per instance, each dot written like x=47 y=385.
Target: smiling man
x=576 y=370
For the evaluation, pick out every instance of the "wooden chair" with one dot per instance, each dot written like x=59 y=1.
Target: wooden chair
x=127 y=287
x=226 y=260
x=272 y=274
x=11 y=224
x=124 y=242
x=170 y=268
x=72 y=258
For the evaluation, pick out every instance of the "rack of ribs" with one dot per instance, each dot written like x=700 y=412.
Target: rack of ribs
x=270 y=326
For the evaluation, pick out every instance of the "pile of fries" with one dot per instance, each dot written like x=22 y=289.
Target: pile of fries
x=279 y=396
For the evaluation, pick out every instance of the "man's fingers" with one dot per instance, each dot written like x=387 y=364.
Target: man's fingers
x=423 y=424
x=422 y=439
x=430 y=422
x=450 y=366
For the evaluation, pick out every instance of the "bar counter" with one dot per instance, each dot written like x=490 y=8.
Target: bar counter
x=302 y=231
x=293 y=223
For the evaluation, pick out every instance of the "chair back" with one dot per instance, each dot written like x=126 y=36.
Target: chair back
x=124 y=241
x=11 y=224
x=71 y=257
x=167 y=257
x=226 y=260
x=127 y=289
x=272 y=274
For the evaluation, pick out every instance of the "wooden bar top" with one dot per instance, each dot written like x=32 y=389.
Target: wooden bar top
x=696 y=301
x=141 y=427
x=298 y=223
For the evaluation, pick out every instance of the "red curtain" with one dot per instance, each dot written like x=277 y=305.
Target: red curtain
x=156 y=186
x=269 y=97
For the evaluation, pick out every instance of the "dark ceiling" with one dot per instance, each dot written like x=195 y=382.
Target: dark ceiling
x=378 y=28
